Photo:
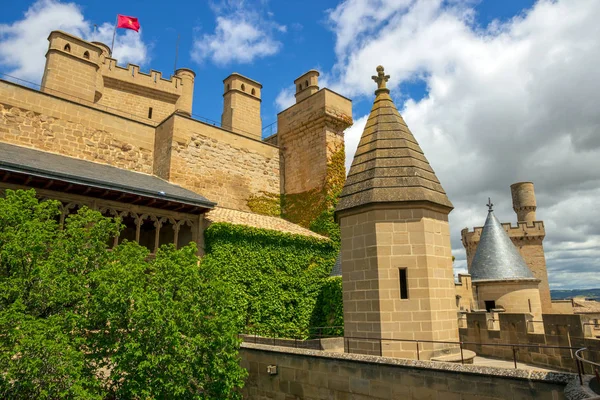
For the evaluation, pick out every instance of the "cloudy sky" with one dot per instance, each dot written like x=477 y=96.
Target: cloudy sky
x=496 y=92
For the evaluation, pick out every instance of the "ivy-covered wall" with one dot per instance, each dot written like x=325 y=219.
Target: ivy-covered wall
x=328 y=314
x=314 y=209
x=277 y=278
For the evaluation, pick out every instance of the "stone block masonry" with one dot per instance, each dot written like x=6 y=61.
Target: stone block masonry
x=311 y=375
x=33 y=119
x=225 y=167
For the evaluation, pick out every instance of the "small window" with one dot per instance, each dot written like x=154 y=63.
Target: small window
x=243 y=88
x=149 y=112
x=403 y=284
x=67 y=47
x=306 y=83
x=86 y=55
x=253 y=92
x=490 y=305
x=299 y=87
x=529 y=301
x=228 y=87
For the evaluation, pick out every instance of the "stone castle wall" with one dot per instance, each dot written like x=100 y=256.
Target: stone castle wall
x=225 y=167
x=33 y=119
x=308 y=133
x=312 y=375
x=517 y=329
x=464 y=293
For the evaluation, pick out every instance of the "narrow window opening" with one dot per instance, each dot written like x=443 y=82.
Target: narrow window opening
x=86 y=55
x=243 y=88
x=403 y=284
x=67 y=47
x=490 y=305
x=299 y=87
x=228 y=87
x=253 y=92
x=306 y=83
x=529 y=301
x=149 y=112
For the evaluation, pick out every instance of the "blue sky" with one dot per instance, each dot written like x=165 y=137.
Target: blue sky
x=301 y=30
x=495 y=92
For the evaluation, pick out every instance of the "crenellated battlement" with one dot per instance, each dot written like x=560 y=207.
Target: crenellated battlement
x=522 y=230
x=131 y=74
x=80 y=70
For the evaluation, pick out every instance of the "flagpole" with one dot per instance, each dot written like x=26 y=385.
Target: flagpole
x=114 y=34
x=176 y=53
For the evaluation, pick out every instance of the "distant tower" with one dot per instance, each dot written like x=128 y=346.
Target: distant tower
x=241 y=106
x=500 y=276
x=527 y=236
x=397 y=273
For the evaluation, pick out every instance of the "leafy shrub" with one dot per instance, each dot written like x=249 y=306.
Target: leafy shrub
x=80 y=321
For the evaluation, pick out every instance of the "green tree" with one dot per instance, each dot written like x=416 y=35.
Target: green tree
x=80 y=321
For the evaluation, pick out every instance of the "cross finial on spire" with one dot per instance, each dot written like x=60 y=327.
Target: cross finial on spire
x=381 y=78
x=490 y=205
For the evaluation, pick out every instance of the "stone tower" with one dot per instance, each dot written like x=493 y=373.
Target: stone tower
x=501 y=279
x=310 y=135
x=241 y=106
x=527 y=236
x=72 y=67
x=396 y=258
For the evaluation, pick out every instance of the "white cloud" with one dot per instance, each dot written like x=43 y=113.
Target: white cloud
x=23 y=43
x=513 y=101
x=241 y=35
x=285 y=98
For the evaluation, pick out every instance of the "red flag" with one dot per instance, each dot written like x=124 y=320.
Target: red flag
x=126 y=22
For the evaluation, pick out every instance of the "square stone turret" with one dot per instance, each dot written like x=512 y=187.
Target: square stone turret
x=397 y=272
x=310 y=135
x=241 y=106
x=307 y=85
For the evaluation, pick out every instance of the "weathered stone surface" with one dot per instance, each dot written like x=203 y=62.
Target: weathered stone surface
x=356 y=376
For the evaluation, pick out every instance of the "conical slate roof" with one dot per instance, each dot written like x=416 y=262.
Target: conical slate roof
x=389 y=165
x=497 y=258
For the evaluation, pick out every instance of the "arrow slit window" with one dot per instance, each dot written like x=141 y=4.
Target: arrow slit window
x=403 y=283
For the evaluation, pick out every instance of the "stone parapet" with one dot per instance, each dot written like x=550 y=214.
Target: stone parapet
x=313 y=374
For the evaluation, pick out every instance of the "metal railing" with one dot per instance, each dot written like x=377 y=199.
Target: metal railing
x=581 y=363
x=311 y=338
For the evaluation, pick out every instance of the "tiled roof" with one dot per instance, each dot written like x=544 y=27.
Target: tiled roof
x=23 y=160
x=236 y=217
x=389 y=165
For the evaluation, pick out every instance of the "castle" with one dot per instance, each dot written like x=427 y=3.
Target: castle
x=126 y=143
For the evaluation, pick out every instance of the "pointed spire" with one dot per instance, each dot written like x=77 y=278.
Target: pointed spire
x=389 y=165
x=497 y=258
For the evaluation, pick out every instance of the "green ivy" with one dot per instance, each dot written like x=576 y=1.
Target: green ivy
x=329 y=310
x=276 y=277
x=265 y=203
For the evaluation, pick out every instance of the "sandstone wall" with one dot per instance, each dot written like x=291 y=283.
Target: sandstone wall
x=514 y=329
x=376 y=244
x=464 y=289
x=311 y=375
x=515 y=297
x=34 y=119
x=308 y=133
x=224 y=167
x=136 y=100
